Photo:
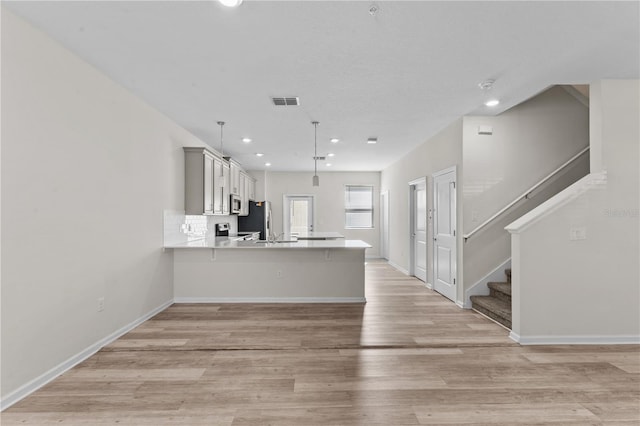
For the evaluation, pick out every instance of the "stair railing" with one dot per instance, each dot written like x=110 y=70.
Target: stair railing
x=525 y=195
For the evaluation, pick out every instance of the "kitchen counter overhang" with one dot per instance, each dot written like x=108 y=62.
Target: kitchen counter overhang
x=235 y=243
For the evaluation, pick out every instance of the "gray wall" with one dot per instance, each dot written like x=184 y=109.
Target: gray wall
x=329 y=200
x=529 y=141
x=87 y=170
x=439 y=152
x=586 y=290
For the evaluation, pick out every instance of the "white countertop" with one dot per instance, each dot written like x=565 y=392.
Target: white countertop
x=230 y=243
x=319 y=235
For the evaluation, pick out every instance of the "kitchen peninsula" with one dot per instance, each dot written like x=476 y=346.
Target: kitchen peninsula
x=224 y=269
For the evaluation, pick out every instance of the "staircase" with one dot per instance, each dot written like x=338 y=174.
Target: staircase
x=497 y=305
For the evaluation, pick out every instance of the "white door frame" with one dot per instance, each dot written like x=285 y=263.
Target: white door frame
x=384 y=225
x=286 y=226
x=412 y=185
x=433 y=230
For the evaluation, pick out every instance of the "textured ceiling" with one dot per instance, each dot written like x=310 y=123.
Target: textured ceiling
x=401 y=75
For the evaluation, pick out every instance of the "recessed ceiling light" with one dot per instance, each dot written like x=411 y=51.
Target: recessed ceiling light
x=487 y=84
x=331 y=154
x=259 y=154
x=246 y=140
x=267 y=164
x=492 y=102
x=371 y=141
x=335 y=140
x=230 y=3
x=329 y=164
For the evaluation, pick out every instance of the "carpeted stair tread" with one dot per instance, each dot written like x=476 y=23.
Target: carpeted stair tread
x=497 y=309
x=501 y=287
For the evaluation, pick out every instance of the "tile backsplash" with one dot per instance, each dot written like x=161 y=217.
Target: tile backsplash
x=194 y=225
x=179 y=228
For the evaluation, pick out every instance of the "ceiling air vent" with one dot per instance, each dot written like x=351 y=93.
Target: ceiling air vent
x=286 y=101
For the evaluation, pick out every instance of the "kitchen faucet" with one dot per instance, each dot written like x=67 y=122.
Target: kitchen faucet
x=273 y=237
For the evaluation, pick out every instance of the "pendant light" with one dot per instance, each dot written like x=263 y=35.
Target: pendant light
x=316 y=179
x=221 y=123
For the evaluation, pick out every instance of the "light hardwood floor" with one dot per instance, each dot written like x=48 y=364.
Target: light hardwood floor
x=407 y=357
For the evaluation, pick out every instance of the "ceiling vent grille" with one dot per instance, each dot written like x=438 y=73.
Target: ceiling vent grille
x=286 y=101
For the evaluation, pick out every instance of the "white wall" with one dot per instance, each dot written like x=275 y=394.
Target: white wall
x=329 y=201
x=439 y=152
x=87 y=170
x=528 y=142
x=587 y=290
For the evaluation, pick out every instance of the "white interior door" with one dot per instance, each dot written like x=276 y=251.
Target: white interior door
x=444 y=233
x=384 y=225
x=419 y=229
x=298 y=214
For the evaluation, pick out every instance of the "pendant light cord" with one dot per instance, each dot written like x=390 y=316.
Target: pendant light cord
x=221 y=124
x=315 y=148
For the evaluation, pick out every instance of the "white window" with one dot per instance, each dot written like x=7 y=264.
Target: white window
x=358 y=206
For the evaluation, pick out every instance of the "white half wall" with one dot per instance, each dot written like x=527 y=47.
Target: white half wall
x=87 y=171
x=276 y=275
x=329 y=201
x=575 y=257
x=437 y=153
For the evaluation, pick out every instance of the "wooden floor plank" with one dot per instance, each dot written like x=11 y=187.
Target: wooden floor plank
x=408 y=356
x=505 y=414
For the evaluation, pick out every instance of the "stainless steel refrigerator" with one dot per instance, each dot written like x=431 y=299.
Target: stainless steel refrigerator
x=258 y=220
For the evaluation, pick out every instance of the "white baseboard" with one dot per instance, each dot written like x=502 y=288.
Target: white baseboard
x=575 y=340
x=429 y=286
x=270 y=300
x=35 y=384
x=480 y=288
x=399 y=268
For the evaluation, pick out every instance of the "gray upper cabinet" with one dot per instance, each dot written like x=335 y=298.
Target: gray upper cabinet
x=226 y=188
x=252 y=189
x=209 y=181
x=218 y=186
x=247 y=188
x=198 y=179
x=242 y=192
x=235 y=178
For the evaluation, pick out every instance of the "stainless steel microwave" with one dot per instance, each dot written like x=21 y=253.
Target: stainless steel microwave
x=236 y=204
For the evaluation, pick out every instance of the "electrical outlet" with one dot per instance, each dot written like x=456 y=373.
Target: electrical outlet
x=100 y=304
x=577 y=233
x=278 y=274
